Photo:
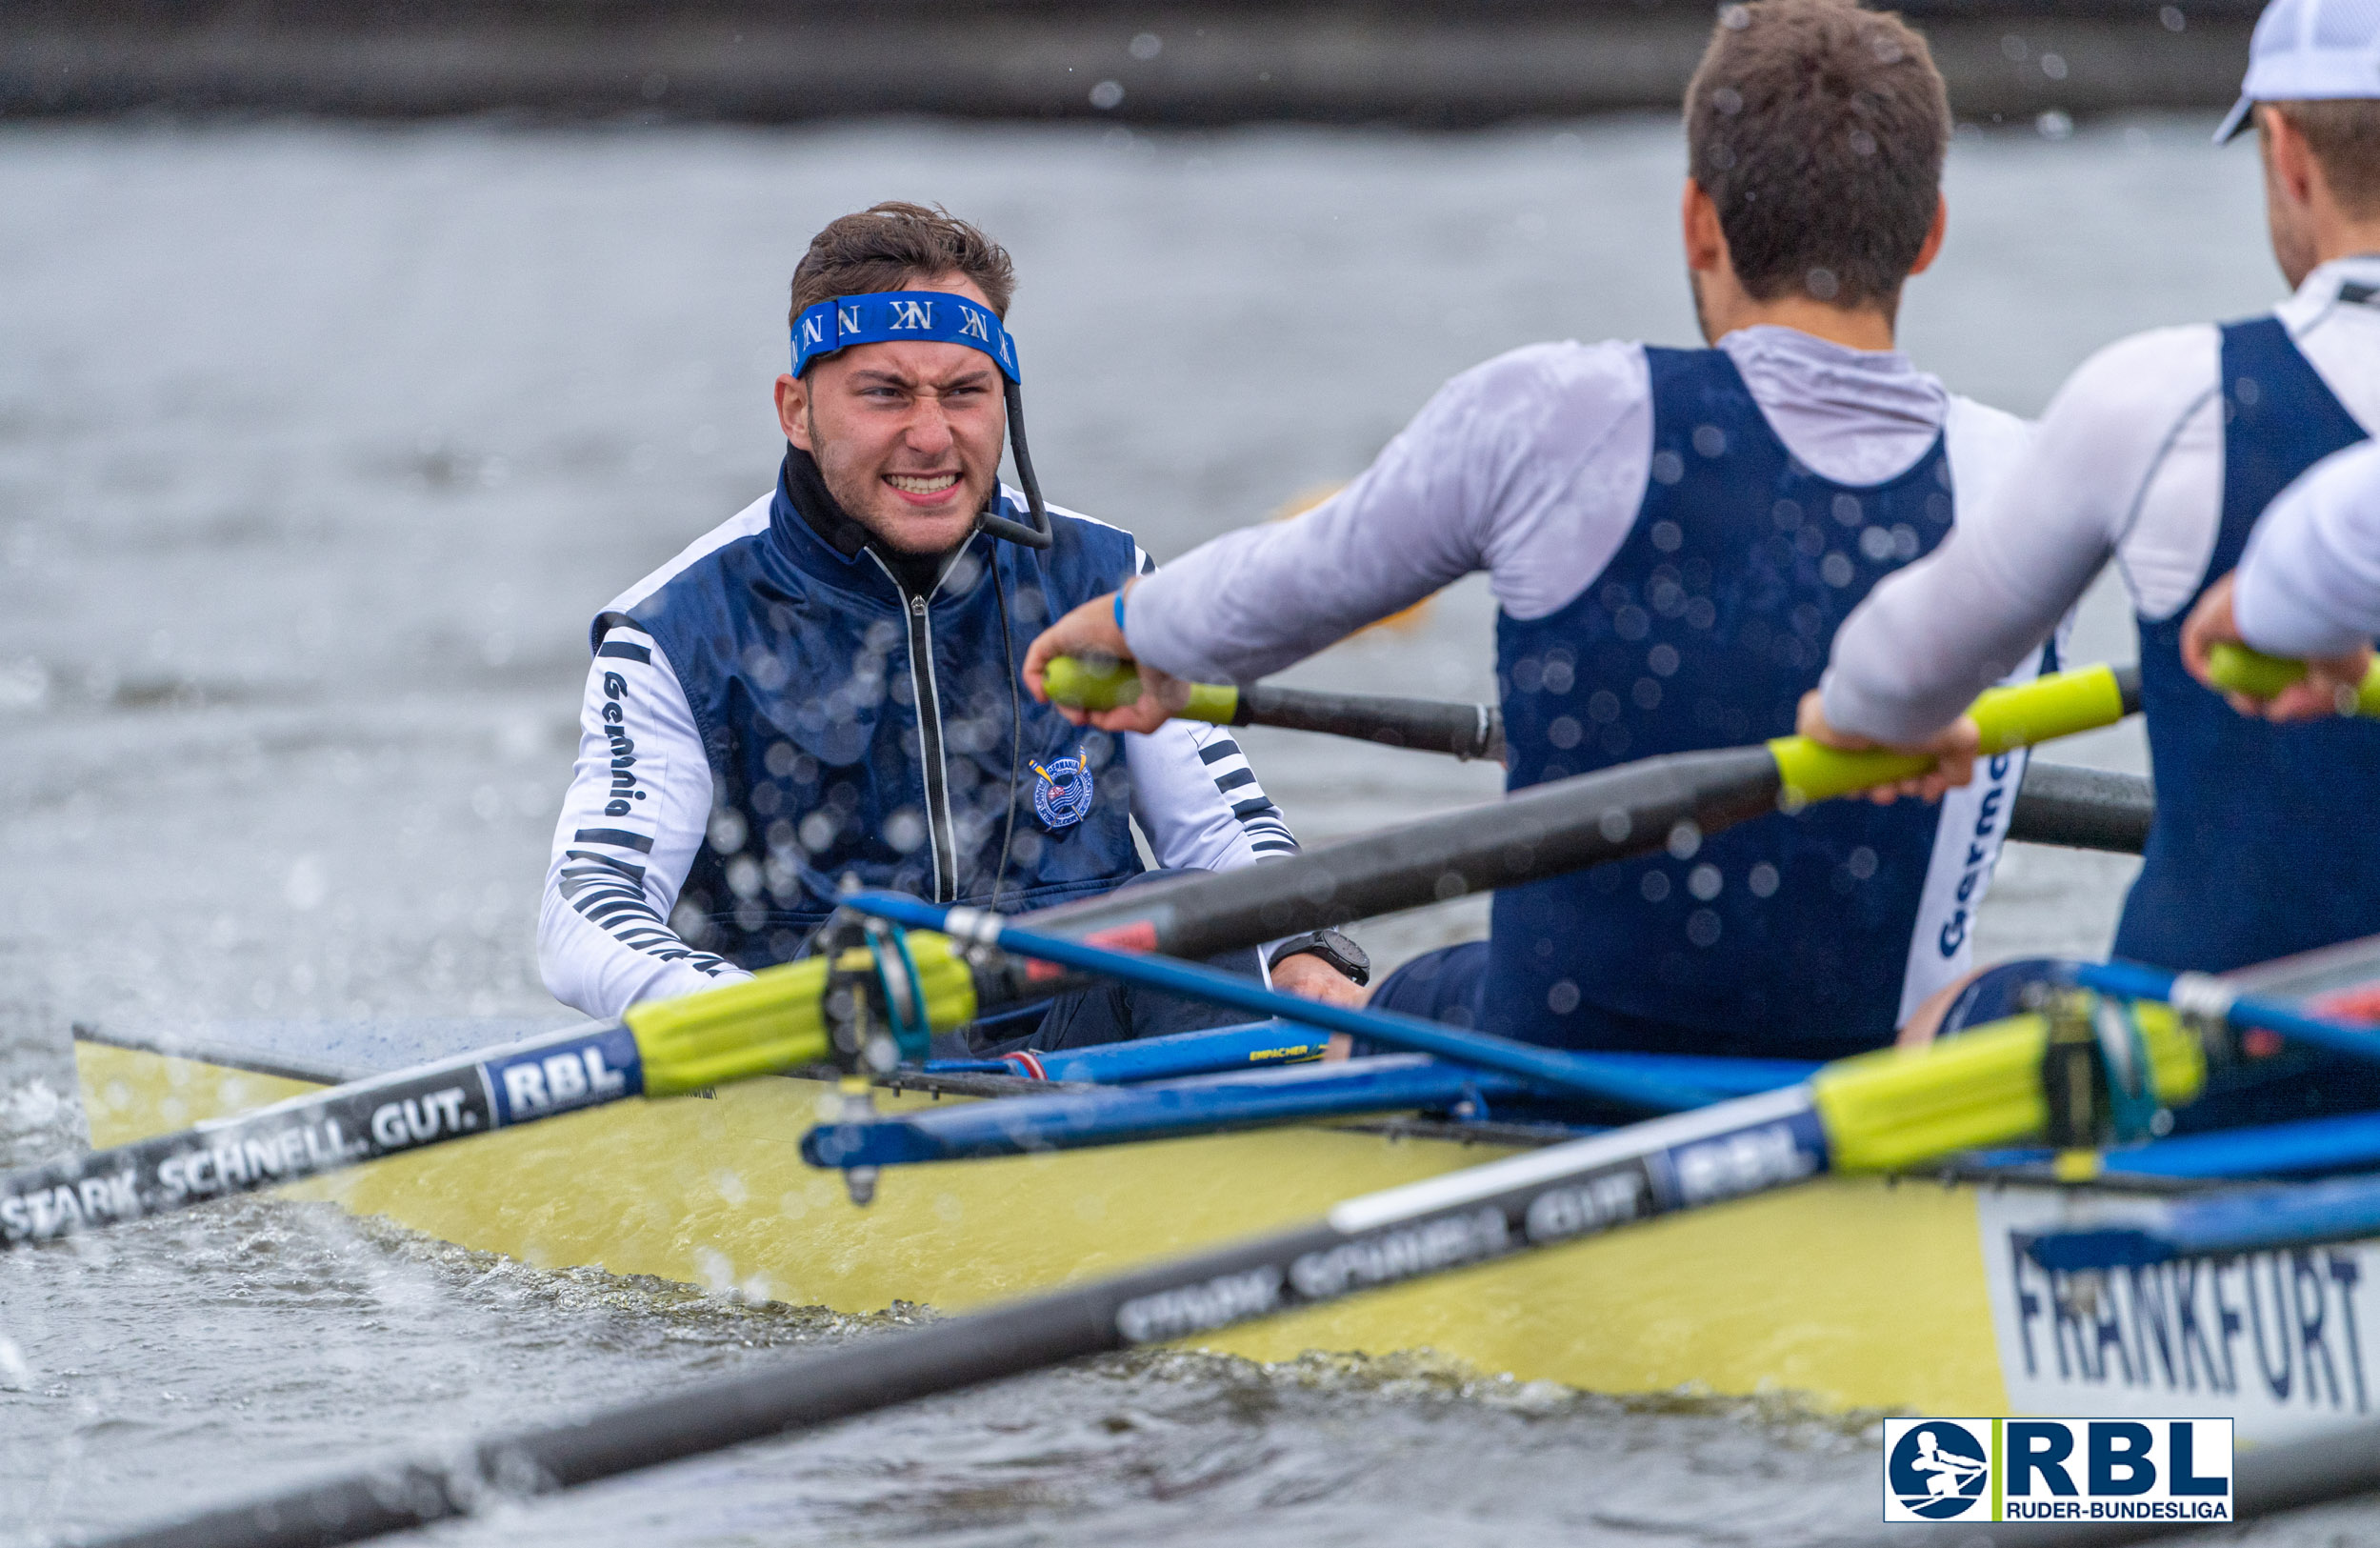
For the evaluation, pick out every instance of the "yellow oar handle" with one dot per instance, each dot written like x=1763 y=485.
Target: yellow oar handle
x=2263 y=676
x=2058 y=704
x=1898 y=1107
x=1112 y=685
x=774 y=1020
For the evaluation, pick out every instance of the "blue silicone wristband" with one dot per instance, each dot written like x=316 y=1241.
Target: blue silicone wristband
x=1119 y=610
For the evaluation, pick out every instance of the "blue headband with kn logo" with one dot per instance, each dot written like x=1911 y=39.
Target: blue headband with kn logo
x=937 y=317
x=891 y=316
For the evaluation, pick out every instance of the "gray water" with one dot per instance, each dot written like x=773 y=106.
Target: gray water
x=319 y=447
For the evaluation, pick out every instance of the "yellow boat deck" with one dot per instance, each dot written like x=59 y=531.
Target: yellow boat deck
x=1844 y=1294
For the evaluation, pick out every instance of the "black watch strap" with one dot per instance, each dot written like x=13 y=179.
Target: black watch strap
x=1333 y=948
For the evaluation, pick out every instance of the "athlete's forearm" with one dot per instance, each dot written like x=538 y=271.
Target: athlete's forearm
x=588 y=970
x=2309 y=584
x=1255 y=601
x=1912 y=657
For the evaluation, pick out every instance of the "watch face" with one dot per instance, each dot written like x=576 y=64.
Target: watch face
x=1345 y=950
x=1333 y=948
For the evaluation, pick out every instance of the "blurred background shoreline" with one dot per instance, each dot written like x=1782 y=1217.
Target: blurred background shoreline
x=1434 y=64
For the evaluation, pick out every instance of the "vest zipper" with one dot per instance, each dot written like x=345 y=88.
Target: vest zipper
x=941 y=835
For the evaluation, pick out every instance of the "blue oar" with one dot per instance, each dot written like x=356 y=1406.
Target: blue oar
x=2305 y=1147
x=2251 y=1220
x=1258 y=1045
x=1579 y=1074
x=1206 y=1104
x=1263 y=1044
x=2200 y=993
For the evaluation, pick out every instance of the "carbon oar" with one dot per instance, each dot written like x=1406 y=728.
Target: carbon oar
x=1467 y=730
x=1875 y=1112
x=772 y=1022
x=1548 y=830
x=2093 y=809
x=2055 y=804
x=2263 y=676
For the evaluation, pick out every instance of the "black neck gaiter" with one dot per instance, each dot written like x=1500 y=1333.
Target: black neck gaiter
x=806 y=488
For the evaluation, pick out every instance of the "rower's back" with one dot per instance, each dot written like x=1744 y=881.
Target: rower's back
x=1790 y=468
x=1807 y=934
x=2267 y=840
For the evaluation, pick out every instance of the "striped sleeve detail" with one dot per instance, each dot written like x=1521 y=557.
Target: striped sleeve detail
x=607 y=889
x=610 y=893
x=1235 y=781
x=619 y=836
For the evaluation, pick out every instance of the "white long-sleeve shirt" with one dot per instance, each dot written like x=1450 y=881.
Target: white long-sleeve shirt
x=2310 y=582
x=1532 y=467
x=605 y=939
x=2127 y=465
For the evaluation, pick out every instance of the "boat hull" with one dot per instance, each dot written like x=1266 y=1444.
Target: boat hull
x=1841 y=1295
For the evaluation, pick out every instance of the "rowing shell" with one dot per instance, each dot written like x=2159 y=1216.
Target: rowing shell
x=1849 y=1294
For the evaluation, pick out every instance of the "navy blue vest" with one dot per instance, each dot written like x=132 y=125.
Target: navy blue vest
x=1786 y=935
x=807 y=671
x=2265 y=841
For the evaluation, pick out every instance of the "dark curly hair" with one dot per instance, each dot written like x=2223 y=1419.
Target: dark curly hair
x=1818 y=129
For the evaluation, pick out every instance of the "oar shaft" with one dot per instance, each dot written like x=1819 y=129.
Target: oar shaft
x=1466 y=730
x=1550 y=830
x=771 y=1022
x=2092 y=808
x=1543 y=831
x=539 y=1078
x=2205 y=994
x=2079 y=808
x=2251 y=1220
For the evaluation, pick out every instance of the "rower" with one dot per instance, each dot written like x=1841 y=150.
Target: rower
x=1673 y=536
x=822 y=686
x=2308 y=589
x=2160 y=453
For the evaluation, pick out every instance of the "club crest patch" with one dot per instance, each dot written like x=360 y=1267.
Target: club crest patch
x=1062 y=792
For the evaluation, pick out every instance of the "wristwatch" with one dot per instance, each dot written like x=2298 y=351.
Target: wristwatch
x=1333 y=948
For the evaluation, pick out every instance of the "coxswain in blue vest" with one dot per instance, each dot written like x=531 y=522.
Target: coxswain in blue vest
x=825 y=686
x=1672 y=536
x=2160 y=454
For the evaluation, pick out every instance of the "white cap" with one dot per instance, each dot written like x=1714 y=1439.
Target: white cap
x=2306 y=50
